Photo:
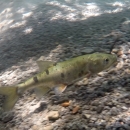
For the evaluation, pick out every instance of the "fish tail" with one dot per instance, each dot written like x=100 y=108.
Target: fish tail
x=11 y=97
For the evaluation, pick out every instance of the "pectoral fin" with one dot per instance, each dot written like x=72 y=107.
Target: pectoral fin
x=59 y=89
x=43 y=65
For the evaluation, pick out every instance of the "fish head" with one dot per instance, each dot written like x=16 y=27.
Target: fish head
x=101 y=61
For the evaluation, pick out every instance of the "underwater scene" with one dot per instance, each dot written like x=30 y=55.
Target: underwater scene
x=65 y=65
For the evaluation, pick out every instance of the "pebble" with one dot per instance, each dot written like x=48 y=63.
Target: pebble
x=100 y=109
x=114 y=111
x=41 y=107
x=75 y=109
x=35 y=127
x=48 y=128
x=53 y=115
x=93 y=119
x=87 y=116
x=40 y=127
x=94 y=129
x=6 y=117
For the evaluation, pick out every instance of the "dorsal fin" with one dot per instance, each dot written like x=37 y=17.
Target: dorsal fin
x=43 y=65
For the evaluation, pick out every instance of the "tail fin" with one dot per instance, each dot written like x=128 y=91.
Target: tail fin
x=11 y=97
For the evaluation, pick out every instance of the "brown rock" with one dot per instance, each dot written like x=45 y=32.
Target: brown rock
x=75 y=109
x=65 y=104
x=53 y=115
x=120 y=53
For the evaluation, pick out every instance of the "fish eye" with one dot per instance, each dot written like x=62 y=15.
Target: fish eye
x=106 y=60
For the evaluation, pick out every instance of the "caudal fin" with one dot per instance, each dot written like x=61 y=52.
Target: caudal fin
x=11 y=97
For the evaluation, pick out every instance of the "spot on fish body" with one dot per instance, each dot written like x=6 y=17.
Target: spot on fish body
x=68 y=73
x=81 y=73
x=54 y=64
x=62 y=75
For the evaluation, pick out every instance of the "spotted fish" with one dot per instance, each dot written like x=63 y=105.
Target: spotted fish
x=56 y=76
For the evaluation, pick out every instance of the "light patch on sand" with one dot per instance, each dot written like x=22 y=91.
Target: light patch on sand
x=21 y=10
x=7 y=10
x=28 y=30
x=120 y=4
x=18 y=24
x=26 y=15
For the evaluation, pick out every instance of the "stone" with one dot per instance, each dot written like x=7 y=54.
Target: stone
x=34 y=127
x=75 y=109
x=100 y=108
x=94 y=128
x=41 y=107
x=95 y=103
x=94 y=119
x=124 y=108
x=48 y=127
x=87 y=116
x=53 y=115
x=6 y=117
x=114 y=111
x=93 y=108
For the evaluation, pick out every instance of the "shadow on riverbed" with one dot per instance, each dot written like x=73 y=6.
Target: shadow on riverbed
x=39 y=35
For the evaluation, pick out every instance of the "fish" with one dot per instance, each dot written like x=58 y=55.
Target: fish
x=57 y=76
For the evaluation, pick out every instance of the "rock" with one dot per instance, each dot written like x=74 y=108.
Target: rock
x=65 y=104
x=53 y=115
x=6 y=117
x=93 y=108
x=40 y=127
x=87 y=116
x=126 y=126
x=3 y=127
x=100 y=108
x=114 y=111
x=42 y=58
x=41 y=107
x=95 y=103
x=115 y=50
x=35 y=127
x=75 y=109
x=48 y=127
x=81 y=126
x=94 y=129
x=94 y=119
x=124 y=108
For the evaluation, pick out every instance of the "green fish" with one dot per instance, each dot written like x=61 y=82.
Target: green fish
x=56 y=76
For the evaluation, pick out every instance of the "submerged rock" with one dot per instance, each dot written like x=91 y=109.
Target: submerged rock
x=53 y=115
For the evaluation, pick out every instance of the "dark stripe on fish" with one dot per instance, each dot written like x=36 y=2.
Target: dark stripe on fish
x=47 y=72
x=35 y=79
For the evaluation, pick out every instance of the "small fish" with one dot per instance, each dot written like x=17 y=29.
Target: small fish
x=57 y=76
